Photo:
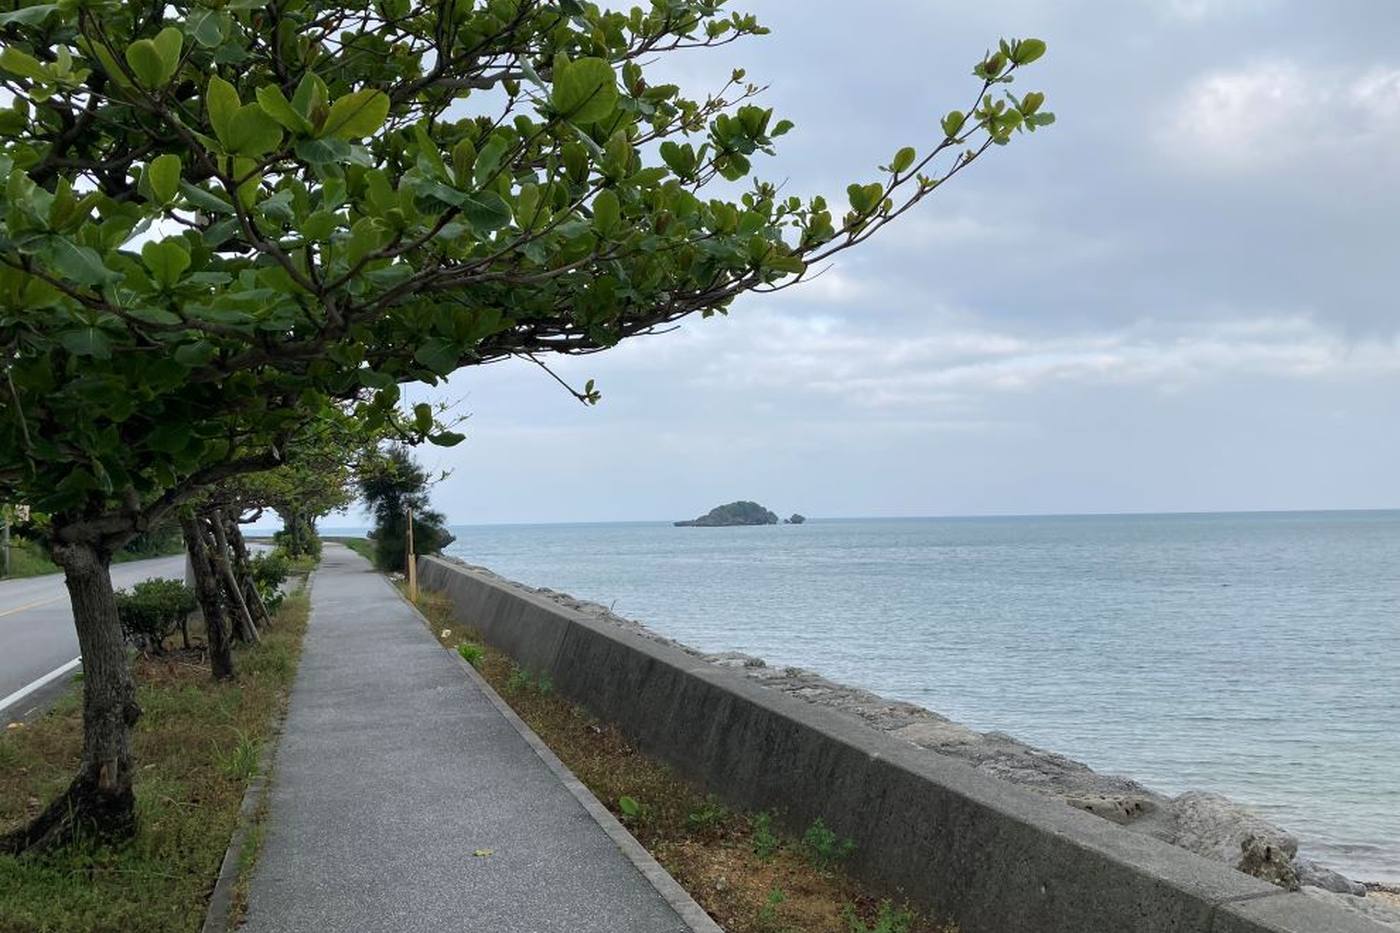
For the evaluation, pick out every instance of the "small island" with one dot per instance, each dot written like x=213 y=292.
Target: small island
x=796 y=519
x=735 y=513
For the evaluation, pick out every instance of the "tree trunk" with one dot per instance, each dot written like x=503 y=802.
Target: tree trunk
x=244 y=626
x=243 y=570
x=99 y=802
x=206 y=589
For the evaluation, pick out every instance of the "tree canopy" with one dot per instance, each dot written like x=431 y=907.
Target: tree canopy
x=222 y=222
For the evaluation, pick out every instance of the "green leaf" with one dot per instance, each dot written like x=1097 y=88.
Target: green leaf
x=356 y=115
x=144 y=60
x=28 y=16
x=205 y=200
x=446 y=438
x=207 y=27
x=251 y=132
x=486 y=211
x=163 y=175
x=952 y=123
x=585 y=91
x=275 y=104
x=607 y=212
x=438 y=355
x=319 y=226
x=903 y=159
x=167 y=261
x=221 y=102
x=80 y=264
x=1027 y=51
x=168 y=43
x=423 y=417
x=23 y=64
x=87 y=341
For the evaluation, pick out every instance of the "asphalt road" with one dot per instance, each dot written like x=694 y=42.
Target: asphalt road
x=36 y=626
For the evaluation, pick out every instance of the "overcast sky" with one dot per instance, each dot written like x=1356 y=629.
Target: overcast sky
x=1178 y=298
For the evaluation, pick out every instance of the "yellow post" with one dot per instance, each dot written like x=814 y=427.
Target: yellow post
x=412 y=561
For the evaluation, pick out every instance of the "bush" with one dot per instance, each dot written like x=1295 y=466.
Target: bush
x=152 y=610
x=303 y=543
x=269 y=572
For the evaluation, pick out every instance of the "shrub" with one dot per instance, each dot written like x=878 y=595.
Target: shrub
x=152 y=610
x=269 y=572
x=471 y=652
x=823 y=846
x=888 y=920
x=765 y=841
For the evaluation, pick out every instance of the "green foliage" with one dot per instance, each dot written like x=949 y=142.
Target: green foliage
x=519 y=679
x=390 y=486
x=298 y=540
x=240 y=762
x=633 y=811
x=471 y=652
x=765 y=842
x=330 y=221
x=709 y=816
x=152 y=610
x=269 y=571
x=888 y=919
x=823 y=847
x=769 y=919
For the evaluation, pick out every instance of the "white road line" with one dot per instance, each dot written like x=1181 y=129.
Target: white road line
x=50 y=677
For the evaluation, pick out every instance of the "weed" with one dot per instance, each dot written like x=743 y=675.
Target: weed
x=632 y=809
x=544 y=685
x=708 y=816
x=887 y=920
x=240 y=763
x=823 y=847
x=471 y=652
x=765 y=842
x=9 y=755
x=768 y=920
x=519 y=679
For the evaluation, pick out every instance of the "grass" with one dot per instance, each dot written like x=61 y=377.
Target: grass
x=197 y=744
x=749 y=875
x=28 y=559
x=361 y=546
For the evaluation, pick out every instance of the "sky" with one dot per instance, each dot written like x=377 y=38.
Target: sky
x=1175 y=299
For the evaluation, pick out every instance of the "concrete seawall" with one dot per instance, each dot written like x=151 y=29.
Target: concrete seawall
x=994 y=857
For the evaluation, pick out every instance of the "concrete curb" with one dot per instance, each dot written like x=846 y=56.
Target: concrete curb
x=991 y=856
x=216 y=917
x=690 y=913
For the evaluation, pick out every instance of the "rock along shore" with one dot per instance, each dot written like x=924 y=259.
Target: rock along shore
x=1208 y=824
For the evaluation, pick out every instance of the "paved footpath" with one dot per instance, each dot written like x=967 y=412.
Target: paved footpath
x=394 y=769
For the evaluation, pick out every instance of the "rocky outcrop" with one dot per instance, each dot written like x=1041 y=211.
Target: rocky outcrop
x=1207 y=824
x=743 y=512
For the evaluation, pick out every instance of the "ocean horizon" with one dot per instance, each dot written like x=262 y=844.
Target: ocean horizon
x=1253 y=654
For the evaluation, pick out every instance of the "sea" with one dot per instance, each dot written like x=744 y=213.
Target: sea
x=1254 y=654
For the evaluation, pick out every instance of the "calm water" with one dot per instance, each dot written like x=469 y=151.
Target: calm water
x=1257 y=655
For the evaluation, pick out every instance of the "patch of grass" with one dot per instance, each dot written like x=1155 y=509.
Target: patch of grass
x=471 y=652
x=361 y=546
x=823 y=847
x=189 y=786
x=888 y=919
x=741 y=868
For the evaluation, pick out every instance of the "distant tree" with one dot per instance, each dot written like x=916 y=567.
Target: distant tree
x=391 y=487
x=220 y=220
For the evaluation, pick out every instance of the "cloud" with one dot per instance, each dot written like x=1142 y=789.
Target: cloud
x=953 y=364
x=1272 y=113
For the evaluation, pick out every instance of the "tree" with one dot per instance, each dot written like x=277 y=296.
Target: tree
x=391 y=486
x=219 y=223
